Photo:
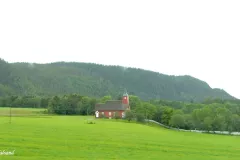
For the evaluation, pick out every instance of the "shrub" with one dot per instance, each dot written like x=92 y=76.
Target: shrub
x=102 y=116
x=116 y=117
x=140 y=117
x=90 y=121
x=129 y=115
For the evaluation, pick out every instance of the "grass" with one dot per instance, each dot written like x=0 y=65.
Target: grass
x=5 y=111
x=70 y=137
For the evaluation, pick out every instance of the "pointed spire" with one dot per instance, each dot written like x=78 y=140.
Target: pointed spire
x=125 y=92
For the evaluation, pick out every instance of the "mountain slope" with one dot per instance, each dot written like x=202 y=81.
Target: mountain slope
x=99 y=80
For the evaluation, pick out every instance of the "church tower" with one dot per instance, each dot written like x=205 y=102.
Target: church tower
x=125 y=98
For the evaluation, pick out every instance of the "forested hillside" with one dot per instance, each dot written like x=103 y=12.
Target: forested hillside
x=99 y=80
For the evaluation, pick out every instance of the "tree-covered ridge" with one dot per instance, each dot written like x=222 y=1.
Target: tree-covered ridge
x=97 y=80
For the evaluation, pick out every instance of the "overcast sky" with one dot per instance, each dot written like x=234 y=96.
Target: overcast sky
x=197 y=38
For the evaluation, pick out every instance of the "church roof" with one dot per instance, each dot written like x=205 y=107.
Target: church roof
x=115 y=105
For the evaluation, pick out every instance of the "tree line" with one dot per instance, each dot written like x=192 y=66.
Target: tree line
x=210 y=115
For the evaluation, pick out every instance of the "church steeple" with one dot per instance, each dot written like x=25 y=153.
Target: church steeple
x=125 y=98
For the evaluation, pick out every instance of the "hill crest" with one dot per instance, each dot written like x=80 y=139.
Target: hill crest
x=97 y=80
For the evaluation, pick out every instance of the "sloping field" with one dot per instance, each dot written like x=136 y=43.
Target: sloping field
x=6 y=111
x=66 y=137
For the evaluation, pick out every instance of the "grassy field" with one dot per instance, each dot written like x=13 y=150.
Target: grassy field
x=71 y=138
x=5 y=111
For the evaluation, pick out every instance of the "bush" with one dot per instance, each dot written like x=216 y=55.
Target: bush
x=129 y=115
x=102 y=116
x=116 y=117
x=140 y=117
x=90 y=121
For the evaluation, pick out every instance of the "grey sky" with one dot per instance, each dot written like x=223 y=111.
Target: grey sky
x=198 y=38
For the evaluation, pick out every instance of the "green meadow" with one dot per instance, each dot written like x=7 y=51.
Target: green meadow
x=6 y=111
x=71 y=138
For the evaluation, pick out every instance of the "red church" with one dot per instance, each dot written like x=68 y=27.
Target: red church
x=113 y=108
